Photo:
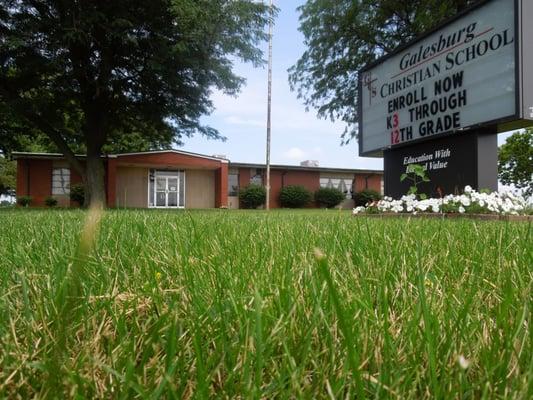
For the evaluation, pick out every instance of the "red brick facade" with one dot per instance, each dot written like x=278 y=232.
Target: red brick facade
x=308 y=177
x=34 y=178
x=281 y=178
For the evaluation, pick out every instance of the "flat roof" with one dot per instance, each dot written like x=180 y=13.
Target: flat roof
x=23 y=154
x=306 y=168
x=27 y=154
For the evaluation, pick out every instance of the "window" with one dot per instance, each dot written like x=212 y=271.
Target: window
x=166 y=188
x=256 y=177
x=60 y=181
x=342 y=184
x=348 y=189
x=233 y=184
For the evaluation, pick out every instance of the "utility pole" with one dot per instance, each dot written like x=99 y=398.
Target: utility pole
x=269 y=107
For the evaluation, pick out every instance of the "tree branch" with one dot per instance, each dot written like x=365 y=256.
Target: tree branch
x=58 y=140
x=45 y=127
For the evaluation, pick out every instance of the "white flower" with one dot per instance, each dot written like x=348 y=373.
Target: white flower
x=496 y=202
x=422 y=207
x=465 y=200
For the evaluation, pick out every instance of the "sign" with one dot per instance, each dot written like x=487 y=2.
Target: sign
x=465 y=74
x=450 y=162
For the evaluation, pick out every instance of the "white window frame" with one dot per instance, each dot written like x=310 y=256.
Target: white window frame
x=64 y=180
x=167 y=174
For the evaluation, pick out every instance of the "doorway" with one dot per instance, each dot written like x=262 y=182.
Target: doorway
x=168 y=189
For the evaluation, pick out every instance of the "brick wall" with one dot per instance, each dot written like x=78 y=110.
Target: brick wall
x=34 y=178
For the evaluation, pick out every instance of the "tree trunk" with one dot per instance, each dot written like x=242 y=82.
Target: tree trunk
x=95 y=193
x=94 y=131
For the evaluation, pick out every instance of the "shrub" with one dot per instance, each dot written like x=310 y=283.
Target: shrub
x=294 y=196
x=252 y=196
x=365 y=196
x=24 y=201
x=329 y=197
x=50 y=201
x=6 y=203
x=77 y=193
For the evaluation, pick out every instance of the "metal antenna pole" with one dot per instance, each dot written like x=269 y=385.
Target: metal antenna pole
x=269 y=107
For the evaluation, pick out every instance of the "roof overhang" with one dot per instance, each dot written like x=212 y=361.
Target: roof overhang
x=311 y=169
x=54 y=156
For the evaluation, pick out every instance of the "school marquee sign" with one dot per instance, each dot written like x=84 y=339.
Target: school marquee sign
x=469 y=73
x=474 y=72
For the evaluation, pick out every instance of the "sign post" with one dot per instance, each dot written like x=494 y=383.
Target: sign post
x=440 y=100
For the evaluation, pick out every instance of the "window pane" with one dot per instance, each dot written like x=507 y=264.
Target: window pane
x=233 y=184
x=349 y=190
x=161 y=199
x=161 y=184
x=172 y=184
x=151 y=191
x=341 y=186
x=181 y=199
x=172 y=199
x=60 y=181
x=256 y=180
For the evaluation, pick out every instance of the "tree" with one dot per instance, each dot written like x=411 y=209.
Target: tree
x=342 y=36
x=515 y=161
x=8 y=175
x=92 y=74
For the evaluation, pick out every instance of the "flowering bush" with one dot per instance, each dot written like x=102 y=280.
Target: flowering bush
x=470 y=201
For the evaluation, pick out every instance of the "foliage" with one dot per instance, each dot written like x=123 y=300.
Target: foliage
x=8 y=175
x=294 y=196
x=470 y=201
x=24 y=201
x=329 y=197
x=230 y=304
x=416 y=174
x=342 y=36
x=77 y=193
x=91 y=75
x=365 y=197
x=252 y=196
x=50 y=201
x=515 y=161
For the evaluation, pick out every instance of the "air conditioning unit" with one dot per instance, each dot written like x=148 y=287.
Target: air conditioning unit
x=309 y=163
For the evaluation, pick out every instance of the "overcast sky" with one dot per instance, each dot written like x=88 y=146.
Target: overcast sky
x=297 y=135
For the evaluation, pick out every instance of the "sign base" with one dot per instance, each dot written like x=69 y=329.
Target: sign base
x=451 y=163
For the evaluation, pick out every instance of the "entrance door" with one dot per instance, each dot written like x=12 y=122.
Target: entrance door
x=166 y=191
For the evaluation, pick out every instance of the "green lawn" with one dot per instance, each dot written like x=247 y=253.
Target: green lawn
x=234 y=304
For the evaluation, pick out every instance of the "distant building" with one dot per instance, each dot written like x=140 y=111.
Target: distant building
x=179 y=179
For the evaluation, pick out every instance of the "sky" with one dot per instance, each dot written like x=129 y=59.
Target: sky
x=297 y=135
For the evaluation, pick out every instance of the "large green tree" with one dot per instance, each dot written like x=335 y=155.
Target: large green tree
x=342 y=36
x=90 y=74
x=8 y=172
x=515 y=161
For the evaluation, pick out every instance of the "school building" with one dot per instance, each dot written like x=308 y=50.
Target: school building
x=180 y=179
